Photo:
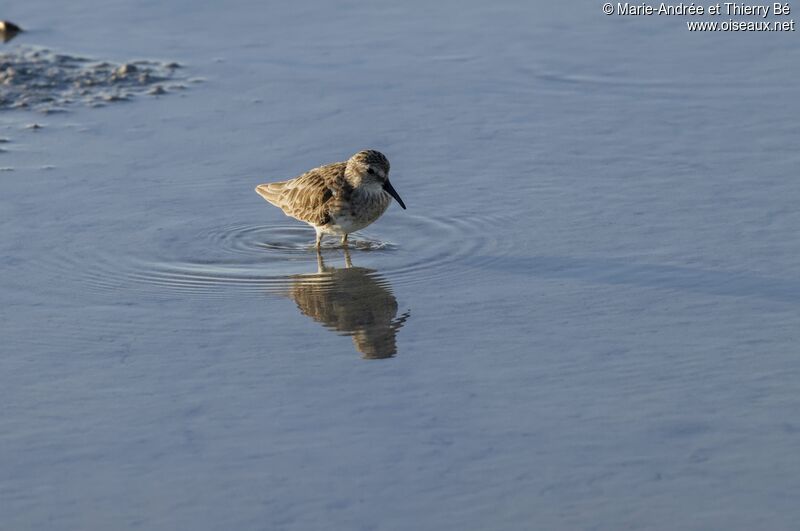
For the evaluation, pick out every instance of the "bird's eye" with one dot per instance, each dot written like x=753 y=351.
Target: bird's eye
x=371 y=171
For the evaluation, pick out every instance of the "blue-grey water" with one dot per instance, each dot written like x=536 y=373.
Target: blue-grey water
x=586 y=319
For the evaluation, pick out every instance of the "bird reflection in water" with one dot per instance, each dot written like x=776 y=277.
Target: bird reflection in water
x=353 y=301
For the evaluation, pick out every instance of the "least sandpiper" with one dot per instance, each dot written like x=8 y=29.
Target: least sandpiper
x=337 y=198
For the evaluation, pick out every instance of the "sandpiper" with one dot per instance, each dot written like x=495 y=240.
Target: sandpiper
x=337 y=198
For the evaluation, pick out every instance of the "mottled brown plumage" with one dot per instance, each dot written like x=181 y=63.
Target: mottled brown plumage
x=337 y=198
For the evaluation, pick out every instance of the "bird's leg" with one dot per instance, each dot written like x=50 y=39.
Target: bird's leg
x=319 y=240
x=344 y=241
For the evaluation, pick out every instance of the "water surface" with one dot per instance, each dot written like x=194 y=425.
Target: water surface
x=586 y=319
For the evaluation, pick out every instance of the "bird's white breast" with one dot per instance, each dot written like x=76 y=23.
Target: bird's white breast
x=366 y=205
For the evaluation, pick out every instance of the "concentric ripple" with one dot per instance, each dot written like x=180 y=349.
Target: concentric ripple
x=294 y=240
x=268 y=258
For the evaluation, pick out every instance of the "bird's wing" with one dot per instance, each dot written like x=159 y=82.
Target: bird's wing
x=306 y=197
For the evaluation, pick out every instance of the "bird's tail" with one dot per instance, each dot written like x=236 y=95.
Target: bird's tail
x=271 y=191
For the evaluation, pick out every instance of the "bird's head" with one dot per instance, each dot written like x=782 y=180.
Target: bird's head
x=370 y=169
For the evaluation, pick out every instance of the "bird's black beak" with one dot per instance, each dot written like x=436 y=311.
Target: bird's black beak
x=392 y=192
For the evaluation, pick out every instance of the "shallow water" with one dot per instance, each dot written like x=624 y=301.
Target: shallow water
x=586 y=319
